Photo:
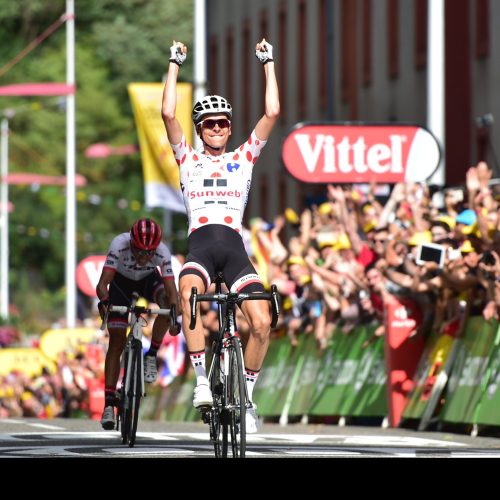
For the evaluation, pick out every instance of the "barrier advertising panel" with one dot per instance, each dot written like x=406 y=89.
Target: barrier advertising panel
x=464 y=390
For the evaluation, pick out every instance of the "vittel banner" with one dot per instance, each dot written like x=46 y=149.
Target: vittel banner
x=360 y=153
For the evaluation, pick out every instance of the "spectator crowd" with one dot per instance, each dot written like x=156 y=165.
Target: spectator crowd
x=341 y=262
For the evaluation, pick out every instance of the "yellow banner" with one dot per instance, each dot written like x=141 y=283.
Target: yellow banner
x=27 y=360
x=52 y=342
x=160 y=170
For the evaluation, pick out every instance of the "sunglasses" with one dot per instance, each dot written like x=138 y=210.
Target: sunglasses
x=142 y=253
x=210 y=123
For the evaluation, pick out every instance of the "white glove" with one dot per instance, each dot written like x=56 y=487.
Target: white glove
x=177 y=55
x=264 y=51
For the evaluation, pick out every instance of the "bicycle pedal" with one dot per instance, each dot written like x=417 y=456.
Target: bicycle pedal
x=204 y=408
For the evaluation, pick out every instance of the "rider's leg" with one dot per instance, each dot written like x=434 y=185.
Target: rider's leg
x=117 y=337
x=160 y=325
x=257 y=315
x=195 y=339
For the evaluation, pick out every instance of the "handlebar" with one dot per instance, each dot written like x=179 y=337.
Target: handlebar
x=236 y=298
x=138 y=310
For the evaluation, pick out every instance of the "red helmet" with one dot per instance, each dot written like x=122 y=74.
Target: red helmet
x=145 y=234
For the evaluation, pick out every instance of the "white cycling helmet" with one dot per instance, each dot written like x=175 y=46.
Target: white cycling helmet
x=209 y=105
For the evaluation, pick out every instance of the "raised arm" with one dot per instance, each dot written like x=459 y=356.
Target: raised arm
x=178 y=53
x=264 y=127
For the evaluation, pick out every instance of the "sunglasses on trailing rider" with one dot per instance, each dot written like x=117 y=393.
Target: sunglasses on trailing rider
x=142 y=253
x=210 y=123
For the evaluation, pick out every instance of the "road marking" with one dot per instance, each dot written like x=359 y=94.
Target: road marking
x=140 y=450
x=46 y=426
x=398 y=441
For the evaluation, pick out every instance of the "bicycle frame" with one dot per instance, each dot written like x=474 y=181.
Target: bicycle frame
x=134 y=334
x=230 y=401
x=132 y=385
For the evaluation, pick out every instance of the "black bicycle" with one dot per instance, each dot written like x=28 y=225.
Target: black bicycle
x=132 y=385
x=226 y=376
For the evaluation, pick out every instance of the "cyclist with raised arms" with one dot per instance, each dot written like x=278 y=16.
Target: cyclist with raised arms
x=215 y=185
x=131 y=266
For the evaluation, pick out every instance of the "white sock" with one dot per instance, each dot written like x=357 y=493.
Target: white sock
x=198 y=362
x=251 y=377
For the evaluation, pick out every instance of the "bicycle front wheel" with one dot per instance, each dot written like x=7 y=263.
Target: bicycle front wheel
x=236 y=399
x=136 y=391
x=218 y=424
x=124 y=406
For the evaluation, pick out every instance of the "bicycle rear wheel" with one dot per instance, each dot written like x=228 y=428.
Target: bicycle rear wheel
x=136 y=391
x=236 y=403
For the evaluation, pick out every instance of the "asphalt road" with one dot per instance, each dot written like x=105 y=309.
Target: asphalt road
x=78 y=438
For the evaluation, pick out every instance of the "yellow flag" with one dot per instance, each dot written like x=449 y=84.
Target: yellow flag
x=160 y=170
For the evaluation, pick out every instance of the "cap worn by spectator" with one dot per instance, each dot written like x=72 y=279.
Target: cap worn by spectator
x=467 y=247
x=325 y=208
x=467 y=217
x=343 y=243
x=370 y=226
x=291 y=216
x=420 y=238
x=449 y=221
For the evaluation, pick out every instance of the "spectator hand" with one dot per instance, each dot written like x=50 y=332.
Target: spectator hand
x=264 y=51
x=472 y=179
x=178 y=53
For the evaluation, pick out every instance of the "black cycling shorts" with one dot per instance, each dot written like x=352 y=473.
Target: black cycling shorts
x=121 y=290
x=216 y=248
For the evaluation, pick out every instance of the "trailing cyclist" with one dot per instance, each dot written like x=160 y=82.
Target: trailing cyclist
x=215 y=186
x=131 y=266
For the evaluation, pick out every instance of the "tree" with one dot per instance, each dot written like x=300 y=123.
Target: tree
x=116 y=43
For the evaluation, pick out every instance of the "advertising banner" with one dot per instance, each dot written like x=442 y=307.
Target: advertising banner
x=306 y=381
x=88 y=273
x=52 y=342
x=402 y=354
x=465 y=386
x=368 y=396
x=488 y=413
x=432 y=362
x=351 y=377
x=27 y=360
x=274 y=378
x=161 y=172
x=337 y=153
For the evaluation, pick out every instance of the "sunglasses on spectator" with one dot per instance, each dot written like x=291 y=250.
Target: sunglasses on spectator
x=142 y=253
x=210 y=123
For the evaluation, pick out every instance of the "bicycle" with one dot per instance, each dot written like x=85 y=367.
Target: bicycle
x=226 y=416
x=132 y=385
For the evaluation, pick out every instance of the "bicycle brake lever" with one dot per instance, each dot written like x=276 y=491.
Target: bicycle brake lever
x=175 y=328
x=193 y=303
x=105 y=319
x=274 y=306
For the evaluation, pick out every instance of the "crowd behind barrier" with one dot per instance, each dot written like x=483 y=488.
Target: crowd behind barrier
x=342 y=262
